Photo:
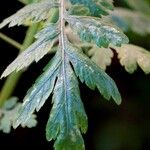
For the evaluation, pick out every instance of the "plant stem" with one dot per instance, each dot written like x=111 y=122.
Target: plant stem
x=10 y=41
x=29 y=36
x=13 y=79
x=9 y=87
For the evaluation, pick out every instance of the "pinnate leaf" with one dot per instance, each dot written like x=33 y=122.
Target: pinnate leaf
x=67 y=118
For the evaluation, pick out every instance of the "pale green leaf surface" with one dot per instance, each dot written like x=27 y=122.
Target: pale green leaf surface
x=98 y=31
x=96 y=8
x=45 y=40
x=131 y=55
x=92 y=75
x=67 y=116
x=39 y=92
x=33 y=12
x=101 y=56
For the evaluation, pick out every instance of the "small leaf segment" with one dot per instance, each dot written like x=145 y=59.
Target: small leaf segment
x=67 y=118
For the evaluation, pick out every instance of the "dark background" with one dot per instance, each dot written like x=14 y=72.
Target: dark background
x=111 y=127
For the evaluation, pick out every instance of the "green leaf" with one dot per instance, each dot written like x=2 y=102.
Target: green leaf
x=131 y=20
x=97 y=8
x=131 y=55
x=45 y=41
x=67 y=118
x=101 y=56
x=92 y=75
x=98 y=31
x=33 y=12
x=39 y=92
x=67 y=114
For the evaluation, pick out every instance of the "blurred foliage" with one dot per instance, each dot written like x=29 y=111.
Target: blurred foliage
x=139 y=5
x=8 y=114
x=131 y=20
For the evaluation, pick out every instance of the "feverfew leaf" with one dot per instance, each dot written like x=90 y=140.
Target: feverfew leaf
x=92 y=75
x=39 y=92
x=130 y=56
x=101 y=56
x=128 y=20
x=33 y=12
x=67 y=116
x=45 y=40
x=98 y=31
x=97 y=8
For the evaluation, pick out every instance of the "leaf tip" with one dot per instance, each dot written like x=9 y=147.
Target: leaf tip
x=16 y=123
x=4 y=74
x=118 y=101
